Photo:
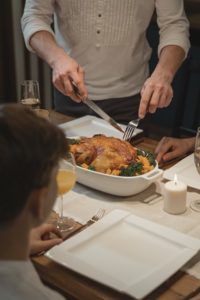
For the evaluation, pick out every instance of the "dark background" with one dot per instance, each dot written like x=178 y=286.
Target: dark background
x=182 y=117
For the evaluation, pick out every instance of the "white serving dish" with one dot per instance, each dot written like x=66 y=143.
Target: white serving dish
x=117 y=185
x=121 y=186
x=128 y=253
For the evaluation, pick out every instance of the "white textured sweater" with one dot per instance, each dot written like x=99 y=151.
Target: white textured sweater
x=19 y=281
x=108 y=37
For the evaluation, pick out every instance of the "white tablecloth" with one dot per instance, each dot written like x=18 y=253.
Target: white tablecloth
x=82 y=203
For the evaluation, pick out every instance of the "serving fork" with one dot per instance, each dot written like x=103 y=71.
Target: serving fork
x=130 y=128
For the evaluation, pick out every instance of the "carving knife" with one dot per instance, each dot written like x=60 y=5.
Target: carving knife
x=98 y=110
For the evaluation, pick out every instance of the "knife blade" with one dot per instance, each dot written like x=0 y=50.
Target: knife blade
x=98 y=110
x=102 y=114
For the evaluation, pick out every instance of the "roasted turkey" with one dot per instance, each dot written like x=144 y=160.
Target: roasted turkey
x=103 y=153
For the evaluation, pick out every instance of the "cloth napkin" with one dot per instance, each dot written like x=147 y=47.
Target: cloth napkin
x=78 y=207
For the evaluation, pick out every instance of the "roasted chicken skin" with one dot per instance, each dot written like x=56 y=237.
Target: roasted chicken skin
x=103 y=153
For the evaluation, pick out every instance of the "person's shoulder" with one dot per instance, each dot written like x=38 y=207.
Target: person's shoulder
x=20 y=281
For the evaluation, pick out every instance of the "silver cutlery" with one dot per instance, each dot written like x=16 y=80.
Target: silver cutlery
x=102 y=114
x=91 y=104
x=130 y=128
x=99 y=214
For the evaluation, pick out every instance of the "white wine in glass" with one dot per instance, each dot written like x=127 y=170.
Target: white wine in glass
x=30 y=94
x=195 y=204
x=66 y=179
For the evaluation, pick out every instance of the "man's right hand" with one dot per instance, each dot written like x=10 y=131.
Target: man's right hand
x=65 y=71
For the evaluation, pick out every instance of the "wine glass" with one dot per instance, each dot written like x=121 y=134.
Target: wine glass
x=195 y=204
x=30 y=94
x=66 y=179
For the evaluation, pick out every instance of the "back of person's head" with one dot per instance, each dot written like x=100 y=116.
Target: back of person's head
x=30 y=147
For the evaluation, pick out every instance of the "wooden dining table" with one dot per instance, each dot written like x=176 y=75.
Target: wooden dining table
x=77 y=287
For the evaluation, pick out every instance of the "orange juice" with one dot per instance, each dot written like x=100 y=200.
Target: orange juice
x=65 y=181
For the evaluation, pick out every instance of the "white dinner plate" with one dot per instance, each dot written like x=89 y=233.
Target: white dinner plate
x=126 y=252
x=186 y=172
x=89 y=125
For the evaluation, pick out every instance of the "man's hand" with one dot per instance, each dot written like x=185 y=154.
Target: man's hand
x=156 y=93
x=40 y=238
x=65 y=71
x=170 y=148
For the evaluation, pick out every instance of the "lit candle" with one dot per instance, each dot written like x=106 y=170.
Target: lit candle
x=175 y=193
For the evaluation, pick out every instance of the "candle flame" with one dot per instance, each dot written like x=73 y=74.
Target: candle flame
x=175 y=179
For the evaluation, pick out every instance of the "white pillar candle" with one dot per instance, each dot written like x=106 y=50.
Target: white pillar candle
x=175 y=193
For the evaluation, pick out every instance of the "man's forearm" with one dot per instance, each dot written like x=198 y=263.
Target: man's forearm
x=65 y=69
x=44 y=44
x=170 y=60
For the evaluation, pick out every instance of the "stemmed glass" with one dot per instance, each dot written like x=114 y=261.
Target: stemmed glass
x=195 y=204
x=30 y=94
x=66 y=179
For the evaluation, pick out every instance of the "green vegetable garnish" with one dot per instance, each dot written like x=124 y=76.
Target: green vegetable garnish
x=91 y=168
x=149 y=155
x=73 y=141
x=151 y=158
x=132 y=170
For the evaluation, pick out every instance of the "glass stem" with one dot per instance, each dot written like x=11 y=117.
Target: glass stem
x=61 y=208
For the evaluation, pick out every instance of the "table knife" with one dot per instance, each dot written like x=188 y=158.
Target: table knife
x=98 y=110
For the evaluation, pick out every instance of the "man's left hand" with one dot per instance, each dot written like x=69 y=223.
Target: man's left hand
x=156 y=93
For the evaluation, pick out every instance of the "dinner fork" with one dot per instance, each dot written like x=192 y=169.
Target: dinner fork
x=130 y=128
x=99 y=214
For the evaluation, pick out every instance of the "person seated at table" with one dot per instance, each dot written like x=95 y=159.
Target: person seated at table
x=30 y=148
x=170 y=148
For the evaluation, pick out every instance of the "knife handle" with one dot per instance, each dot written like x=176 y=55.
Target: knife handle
x=75 y=88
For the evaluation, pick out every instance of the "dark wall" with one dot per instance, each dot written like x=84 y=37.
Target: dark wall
x=7 y=65
x=183 y=115
x=16 y=62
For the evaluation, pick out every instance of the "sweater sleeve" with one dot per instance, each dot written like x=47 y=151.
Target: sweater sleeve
x=173 y=24
x=37 y=16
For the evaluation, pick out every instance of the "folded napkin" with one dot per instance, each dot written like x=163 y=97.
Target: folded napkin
x=78 y=207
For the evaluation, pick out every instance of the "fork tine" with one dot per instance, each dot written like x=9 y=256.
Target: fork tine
x=101 y=213
x=130 y=128
x=128 y=132
x=98 y=215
